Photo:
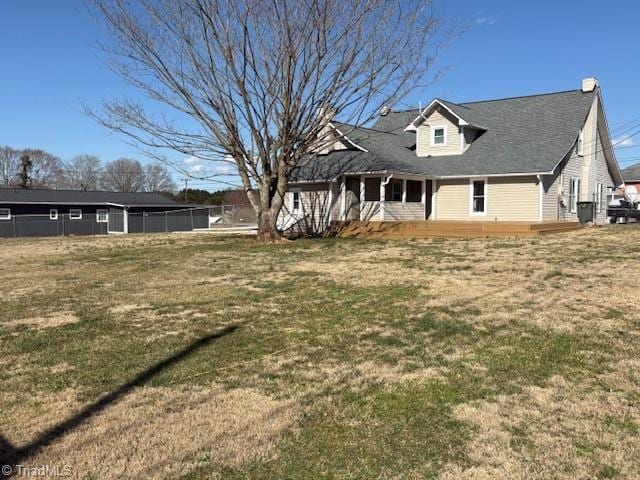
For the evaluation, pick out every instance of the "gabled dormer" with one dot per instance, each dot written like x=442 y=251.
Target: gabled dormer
x=442 y=129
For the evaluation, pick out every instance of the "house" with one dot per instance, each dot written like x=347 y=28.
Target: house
x=522 y=159
x=40 y=212
x=631 y=175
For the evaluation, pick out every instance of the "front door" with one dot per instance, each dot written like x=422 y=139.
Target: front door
x=427 y=200
x=352 y=195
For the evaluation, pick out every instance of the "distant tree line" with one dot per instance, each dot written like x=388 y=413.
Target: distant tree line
x=32 y=168
x=236 y=197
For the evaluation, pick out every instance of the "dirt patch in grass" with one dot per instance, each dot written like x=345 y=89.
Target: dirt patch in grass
x=158 y=432
x=49 y=321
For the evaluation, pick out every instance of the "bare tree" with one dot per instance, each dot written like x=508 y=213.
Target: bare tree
x=158 y=179
x=123 y=175
x=82 y=172
x=246 y=79
x=46 y=169
x=9 y=166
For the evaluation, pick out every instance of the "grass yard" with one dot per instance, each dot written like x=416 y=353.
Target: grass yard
x=196 y=356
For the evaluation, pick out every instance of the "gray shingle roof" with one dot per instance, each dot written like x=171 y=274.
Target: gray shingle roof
x=18 y=195
x=632 y=173
x=524 y=135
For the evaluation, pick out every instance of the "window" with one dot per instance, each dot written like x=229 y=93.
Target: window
x=5 y=214
x=372 y=189
x=102 y=216
x=295 y=200
x=598 y=197
x=574 y=194
x=438 y=136
x=53 y=214
x=396 y=190
x=580 y=144
x=610 y=195
x=414 y=191
x=478 y=197
x=75 y=214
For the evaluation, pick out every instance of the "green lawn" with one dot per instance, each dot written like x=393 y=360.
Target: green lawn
x=453 y=359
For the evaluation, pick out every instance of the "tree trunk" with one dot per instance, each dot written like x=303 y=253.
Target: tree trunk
x=267 y=230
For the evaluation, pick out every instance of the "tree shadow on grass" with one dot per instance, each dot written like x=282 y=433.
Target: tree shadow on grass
x=11 y=456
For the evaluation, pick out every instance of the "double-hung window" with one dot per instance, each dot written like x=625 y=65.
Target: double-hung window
x=295 y=202
x=574 y=194
x=438 y=136
x=53 y=214
x=580 y=145
x=598 y=194
x=5 y=214
x=478 y=197
x=102 y=216
x=75 y=214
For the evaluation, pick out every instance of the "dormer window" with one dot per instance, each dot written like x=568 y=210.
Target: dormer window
x=580 y=146
x=438 y=136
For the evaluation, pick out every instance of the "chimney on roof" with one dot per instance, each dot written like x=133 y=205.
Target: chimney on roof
x=589 y=84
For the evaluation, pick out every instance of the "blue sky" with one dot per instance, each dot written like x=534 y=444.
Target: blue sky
x=50 y=63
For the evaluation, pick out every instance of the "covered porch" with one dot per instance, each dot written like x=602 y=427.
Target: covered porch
x=391 y=197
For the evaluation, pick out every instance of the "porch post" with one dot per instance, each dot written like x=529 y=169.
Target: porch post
x=382 y=184
x=125 y=220
x=404 y=190
x=424 y=192
x=361 y=197
x=330 y=203
x=343 y=198
x=433 y=200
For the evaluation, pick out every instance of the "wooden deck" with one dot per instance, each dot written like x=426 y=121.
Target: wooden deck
x=446 y=228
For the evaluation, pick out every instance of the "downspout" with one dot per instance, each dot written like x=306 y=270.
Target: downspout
x=383 y=185
x=540 y=200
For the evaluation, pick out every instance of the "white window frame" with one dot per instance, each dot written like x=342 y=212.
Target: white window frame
x=433 y=135
x=7 y=215
x=574 y=194
x=98 y=212
x=472 y=196
x=580 y=148
x=77 y=215
x=295 y=193
x=53 y=214
x=598 y=195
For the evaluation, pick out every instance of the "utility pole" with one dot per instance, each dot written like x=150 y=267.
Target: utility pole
x=186 y=189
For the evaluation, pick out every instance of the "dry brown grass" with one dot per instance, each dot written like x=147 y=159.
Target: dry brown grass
x=316 y=326
x=158 y=432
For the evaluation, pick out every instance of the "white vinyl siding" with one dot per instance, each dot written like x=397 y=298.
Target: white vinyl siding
x=453 y=138
x=507 y=199
x=403 y=211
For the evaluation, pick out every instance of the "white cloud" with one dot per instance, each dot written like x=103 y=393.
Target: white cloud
x=482 y=19
x=623 y=142
x=199 y=167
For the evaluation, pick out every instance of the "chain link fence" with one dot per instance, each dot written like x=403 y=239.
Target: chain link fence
x=116 y=221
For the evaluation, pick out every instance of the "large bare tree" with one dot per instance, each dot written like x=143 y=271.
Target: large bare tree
x=157 y=178
x=82 y=172
x=123 y=175
x=9 y=166
x=244 y=81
